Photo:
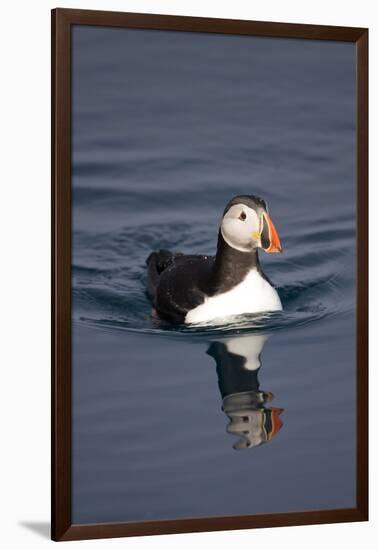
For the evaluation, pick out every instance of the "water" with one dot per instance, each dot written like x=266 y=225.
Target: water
x=167 y=127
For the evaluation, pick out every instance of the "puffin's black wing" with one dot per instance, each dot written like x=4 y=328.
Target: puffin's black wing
x=157 y=262
x=176 y=282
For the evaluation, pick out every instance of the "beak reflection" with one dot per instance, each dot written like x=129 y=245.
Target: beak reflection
x=238 y=362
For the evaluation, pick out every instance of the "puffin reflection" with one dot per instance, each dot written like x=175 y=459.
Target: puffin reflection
x=238 y=362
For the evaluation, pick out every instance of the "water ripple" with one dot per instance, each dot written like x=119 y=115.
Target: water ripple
x=314 y=278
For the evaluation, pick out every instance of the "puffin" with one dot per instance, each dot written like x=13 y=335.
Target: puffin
x=195 y=289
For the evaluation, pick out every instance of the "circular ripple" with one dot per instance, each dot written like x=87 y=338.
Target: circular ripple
x=314 y=277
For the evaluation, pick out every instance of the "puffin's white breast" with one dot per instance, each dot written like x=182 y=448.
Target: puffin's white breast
x=253 y=295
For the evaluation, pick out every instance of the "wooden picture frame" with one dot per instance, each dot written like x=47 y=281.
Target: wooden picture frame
x=62 y=22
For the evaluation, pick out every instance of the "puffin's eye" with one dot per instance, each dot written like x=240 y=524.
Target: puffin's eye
x=242 y=216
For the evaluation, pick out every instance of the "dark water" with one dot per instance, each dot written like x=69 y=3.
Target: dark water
x=167 y=127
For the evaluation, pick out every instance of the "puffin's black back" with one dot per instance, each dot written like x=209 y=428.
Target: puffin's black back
x=177 y=283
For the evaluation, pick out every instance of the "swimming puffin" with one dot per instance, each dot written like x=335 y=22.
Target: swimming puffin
x=197 y=289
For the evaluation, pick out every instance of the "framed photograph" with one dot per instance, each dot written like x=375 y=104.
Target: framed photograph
x=209 y=274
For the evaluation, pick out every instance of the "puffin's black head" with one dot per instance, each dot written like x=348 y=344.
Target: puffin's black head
x=246 y=225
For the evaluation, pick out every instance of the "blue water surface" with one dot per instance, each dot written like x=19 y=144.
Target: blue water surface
x=166 y=128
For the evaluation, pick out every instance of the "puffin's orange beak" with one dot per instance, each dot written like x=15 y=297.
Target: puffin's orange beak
x=269 y=237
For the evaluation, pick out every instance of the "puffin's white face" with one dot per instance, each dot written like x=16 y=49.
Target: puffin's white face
x=244 y=229
x=241 y=228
